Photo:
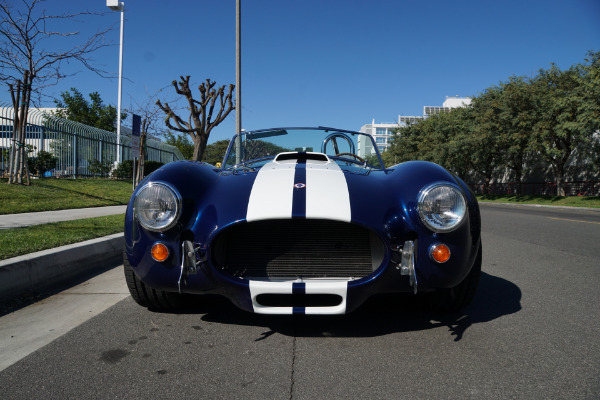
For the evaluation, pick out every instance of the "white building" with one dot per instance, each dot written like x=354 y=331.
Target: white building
x=383 y=132
x=449 y=104
x=380 y=132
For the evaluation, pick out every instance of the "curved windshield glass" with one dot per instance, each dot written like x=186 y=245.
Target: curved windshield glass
x=256 y=148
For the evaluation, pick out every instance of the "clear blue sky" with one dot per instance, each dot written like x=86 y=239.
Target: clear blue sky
x=333 y=62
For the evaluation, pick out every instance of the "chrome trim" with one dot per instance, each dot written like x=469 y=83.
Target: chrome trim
x=407 y=266
x=188 y=261
x=333 y=136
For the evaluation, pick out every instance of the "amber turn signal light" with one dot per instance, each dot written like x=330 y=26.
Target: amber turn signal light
x=159 y=252
x=440 y=253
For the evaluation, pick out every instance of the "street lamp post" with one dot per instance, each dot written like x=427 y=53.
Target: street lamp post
x=238 y=78
x=238 y=66
x=117 y=5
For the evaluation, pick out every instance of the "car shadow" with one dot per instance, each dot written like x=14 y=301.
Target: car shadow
x=381 y=315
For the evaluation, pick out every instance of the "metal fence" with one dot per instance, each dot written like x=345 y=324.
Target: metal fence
x=74 y=145
x=581 y=188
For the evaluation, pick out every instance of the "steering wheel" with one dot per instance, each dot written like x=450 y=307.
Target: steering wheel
x=362 y=160
x=333 y=138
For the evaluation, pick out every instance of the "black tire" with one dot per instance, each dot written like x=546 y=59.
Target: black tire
x=458 y=297
x=155 y=300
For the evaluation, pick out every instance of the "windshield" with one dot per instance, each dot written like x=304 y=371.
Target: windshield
x=350 y=149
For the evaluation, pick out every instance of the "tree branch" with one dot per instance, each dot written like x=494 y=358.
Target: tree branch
x=200 y=121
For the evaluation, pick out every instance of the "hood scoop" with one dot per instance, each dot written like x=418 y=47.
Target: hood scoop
x=301 y=156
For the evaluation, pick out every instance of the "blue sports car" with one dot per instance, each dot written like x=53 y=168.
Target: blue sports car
x=302 y=221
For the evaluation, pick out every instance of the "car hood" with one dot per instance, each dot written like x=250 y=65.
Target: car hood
x=385 y=201
x=292 y=189
x=288 y=189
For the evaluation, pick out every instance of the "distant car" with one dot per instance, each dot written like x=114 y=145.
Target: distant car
x=296 y=222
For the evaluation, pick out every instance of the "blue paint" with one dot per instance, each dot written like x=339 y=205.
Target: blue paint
x=299 y=199
x=299 y=288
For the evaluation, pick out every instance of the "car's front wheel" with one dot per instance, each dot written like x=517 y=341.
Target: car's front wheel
x=458 y=297
x=156 y=300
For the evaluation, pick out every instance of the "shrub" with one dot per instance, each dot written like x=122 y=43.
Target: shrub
x=151 y=166
x=43 y=162
x=97 y=167
x=124 y=170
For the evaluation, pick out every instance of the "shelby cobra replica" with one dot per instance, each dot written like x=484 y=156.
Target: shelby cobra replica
x=296 y=222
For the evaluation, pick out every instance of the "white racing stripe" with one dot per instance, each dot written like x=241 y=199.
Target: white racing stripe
x=261 y=287
x=272 y=194
x=327 y=287
x=327 y=194
x=335 y=287
x=273 y=191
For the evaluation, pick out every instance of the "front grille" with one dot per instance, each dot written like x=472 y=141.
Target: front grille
x=296 y=248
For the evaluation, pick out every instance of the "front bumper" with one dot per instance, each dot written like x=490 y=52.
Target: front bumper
x=404 y=269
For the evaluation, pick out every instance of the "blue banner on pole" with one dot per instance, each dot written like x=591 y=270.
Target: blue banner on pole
x=135 y=134
x=136 y=125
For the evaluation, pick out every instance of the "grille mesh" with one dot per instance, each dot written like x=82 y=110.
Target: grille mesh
x=294 y=249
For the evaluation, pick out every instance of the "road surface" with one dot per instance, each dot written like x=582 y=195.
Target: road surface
x=532 y=332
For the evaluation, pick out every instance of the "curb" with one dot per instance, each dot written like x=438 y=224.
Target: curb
x=35 y=272
x=546 y=206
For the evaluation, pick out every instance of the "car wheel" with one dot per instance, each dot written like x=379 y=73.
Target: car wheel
x=458 y=297
x=156 y=300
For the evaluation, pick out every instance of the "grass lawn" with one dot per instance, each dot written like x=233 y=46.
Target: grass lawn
x=571 y=201
x=62 y=194
x=19 y=241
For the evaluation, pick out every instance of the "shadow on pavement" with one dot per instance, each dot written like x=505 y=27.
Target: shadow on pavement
x=19 y=302
x=496 y=297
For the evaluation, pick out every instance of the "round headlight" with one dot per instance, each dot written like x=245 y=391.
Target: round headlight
x=157 y=206
x=441 y=207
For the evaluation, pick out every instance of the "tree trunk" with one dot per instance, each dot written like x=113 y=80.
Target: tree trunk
x=486 y=184
x=560 y=181
x=200 y=142
x=560 y=172
x=19 y=167
x=142 y=156
x=519 y=175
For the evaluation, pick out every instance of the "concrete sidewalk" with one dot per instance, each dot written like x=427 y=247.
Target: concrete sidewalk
x=37 y=272
x=45 y=217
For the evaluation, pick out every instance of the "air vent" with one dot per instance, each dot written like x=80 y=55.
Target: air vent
x=292 y=249
x=301 y=156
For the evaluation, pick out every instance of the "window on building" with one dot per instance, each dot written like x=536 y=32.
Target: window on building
x=380 y=140
x=435 y=110
x=381 y=148
x=381 y=131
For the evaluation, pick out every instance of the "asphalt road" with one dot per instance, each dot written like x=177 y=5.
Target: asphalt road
x=532 y=332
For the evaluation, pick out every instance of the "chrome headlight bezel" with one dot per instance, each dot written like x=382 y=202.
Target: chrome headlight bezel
x=447 y=220
x=173 y=202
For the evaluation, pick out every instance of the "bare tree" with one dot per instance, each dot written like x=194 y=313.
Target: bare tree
x=149 y=114
x=200 y=122
x=31 y=58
